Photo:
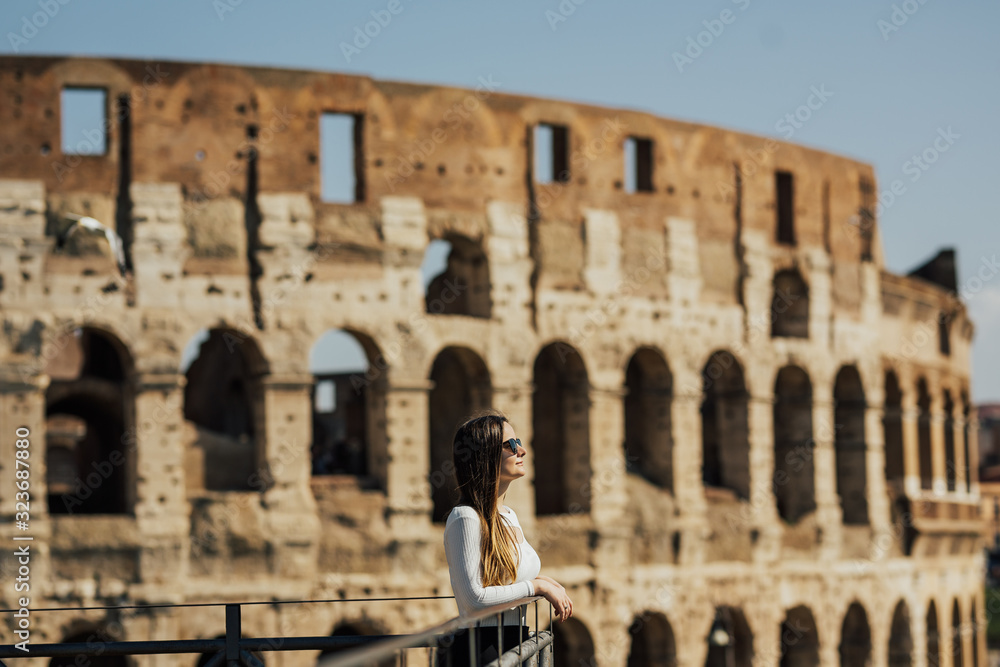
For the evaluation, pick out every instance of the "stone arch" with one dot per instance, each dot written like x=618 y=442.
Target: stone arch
x=799 y=639
x=348 y=406
x=573 y=644
x=789 y=305
x=89 y=416
x=463 y=288
x=724 y=426
x=653 y=643
x=648 y=435
x=855 y=638
x=793 y=444
x=926 y=456
x=956 y=636
x=478 y=125
x=974 y=630
x=223 y=400
x=950 y=462
x=850 y=445
x=561 y=431
x=892 y=427
x=91 y=634
x=730 y=640
x=461 y=388
x=933 y=636
x=900 y=637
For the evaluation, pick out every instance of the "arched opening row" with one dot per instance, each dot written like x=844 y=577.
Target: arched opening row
x=730 y=641
x=955 y=410
x=89 y=412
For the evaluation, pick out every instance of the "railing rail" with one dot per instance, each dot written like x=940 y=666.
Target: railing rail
x=234 y=650
x=382 y=650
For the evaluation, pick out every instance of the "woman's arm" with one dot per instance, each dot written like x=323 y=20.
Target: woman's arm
x=461 y=546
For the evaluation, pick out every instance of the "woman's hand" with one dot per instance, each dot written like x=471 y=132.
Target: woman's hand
x=556 y=595
x=550 y=580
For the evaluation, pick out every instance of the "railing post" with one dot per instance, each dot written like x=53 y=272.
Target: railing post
x=234 y=631
x=473 y=632
x=522 y=620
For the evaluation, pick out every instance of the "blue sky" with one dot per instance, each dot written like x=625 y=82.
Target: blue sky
x=897 y=73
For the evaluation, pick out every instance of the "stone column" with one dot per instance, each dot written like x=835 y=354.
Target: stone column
x=763 y=505
x=608 y=497
x=958 y=425
x=407 y=486
x=939 y=464
x=159 y=248
x=880 y=626
x=973 y=428
x=689 y=492
x=828 y=630
x=877 y=493
x=515 y=400
x=818 y=272
x=602 y=268
x=828 y=511
x=684 y=279
x=981 y=625
x=766 y=629
x=911 y=446
x=23 y=244
x=918 y=631
x=292 y=520
x=154 y=453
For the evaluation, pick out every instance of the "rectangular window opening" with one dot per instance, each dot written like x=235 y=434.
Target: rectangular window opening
x=84 y=121
x=638 y=165
x=551 y=158
x=785 y=205
x=341 y=160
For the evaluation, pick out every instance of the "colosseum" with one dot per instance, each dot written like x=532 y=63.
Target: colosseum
x=749 y=443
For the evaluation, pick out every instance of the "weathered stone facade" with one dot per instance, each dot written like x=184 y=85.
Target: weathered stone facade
x=732 y=411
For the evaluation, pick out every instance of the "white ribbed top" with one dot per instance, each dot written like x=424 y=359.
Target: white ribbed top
x=461 y=547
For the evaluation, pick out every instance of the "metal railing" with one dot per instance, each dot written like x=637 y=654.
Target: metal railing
x=234 y=650
x=536 y=650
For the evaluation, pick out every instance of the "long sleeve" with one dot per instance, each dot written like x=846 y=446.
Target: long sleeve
x=461 y=545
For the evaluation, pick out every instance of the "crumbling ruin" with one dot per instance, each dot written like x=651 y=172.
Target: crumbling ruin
x=734 y=414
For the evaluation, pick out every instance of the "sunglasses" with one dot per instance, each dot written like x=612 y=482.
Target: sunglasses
x=513 y=443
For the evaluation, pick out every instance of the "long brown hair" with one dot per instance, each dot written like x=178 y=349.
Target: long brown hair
x=477 y=451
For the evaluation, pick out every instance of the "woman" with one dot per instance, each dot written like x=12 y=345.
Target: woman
x=489 y=560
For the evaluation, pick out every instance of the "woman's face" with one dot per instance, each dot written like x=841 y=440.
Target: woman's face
x=511 y=466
